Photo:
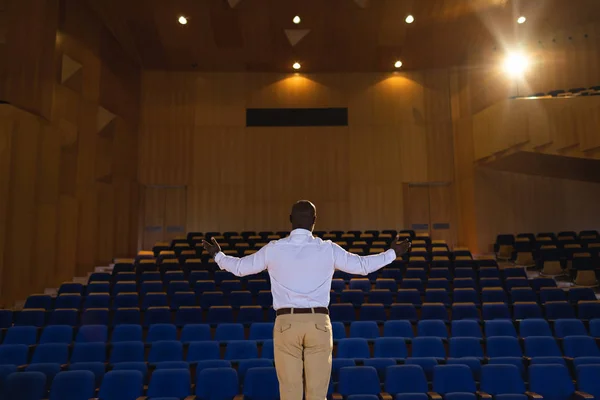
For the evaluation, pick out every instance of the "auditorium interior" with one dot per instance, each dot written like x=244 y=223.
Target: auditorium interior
x=131 y=131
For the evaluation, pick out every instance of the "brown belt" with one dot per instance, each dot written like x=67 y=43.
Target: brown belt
x=314 y=310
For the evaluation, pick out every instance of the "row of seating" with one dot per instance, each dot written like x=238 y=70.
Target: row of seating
x=260 y=331
x=343 y=312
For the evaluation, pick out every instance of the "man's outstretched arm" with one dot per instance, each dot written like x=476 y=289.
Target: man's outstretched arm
x=248 y=265
x=364 y=265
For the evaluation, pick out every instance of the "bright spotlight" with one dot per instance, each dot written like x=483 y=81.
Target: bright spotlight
x=182 y=20
x=521 y=20
x=398 y=64
x=410 y=19
x=296 y=65
x=515 y=64
x=296 y=20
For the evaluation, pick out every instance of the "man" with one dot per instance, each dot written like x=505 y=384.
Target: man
x=301 y=268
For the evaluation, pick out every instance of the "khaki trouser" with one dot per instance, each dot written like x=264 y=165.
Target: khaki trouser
x=303 y=342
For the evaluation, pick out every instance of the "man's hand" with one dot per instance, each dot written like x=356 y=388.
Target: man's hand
x=400 y=247
x=212 y=248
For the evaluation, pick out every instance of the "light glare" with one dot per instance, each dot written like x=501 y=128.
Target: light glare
x=182 y=20
x=296 y=20
x=410 y=19
x=515 y=64
x=521 y=20
x=296 y=65
x=398 y=64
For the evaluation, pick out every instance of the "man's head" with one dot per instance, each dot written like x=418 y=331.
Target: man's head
x=303 y=216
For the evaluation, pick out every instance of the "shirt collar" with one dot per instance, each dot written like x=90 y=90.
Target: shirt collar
x=301 y=231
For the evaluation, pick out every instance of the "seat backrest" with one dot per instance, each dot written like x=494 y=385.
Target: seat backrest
x=393 y=347
x=166 y=350
x=241 y=350
x=503 y=346
x=25 y=386
x=466 y=328
x=587 y=379
x=541 y=346
x=198 y=351
x=15 y=354
x=127 y=352
x=261 y=384
x=160 y=332
x=122 y=385
x=89 y=352
x=217 y=383
x=398 y=329
x=93 y=333
x=465 y=347
x=358 y=380
x=569 y=327
x=501 y=379
x=73 y=385
x=21 y=335
x=552 y=381
x=405 y=379
x=500 y=328
x=432 y=328
x=364 y=329
x=580 y=346
x=428 y=347
x=126 y=333
x=51 y=353
x=534 y=327
x=353 y=348
x=170 y=383
x=453 y=378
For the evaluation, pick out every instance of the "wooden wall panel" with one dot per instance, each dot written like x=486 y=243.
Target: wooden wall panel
x=193 y=133
x=68 y=148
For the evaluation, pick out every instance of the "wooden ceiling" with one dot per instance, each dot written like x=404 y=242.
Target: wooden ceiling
x=345 y=35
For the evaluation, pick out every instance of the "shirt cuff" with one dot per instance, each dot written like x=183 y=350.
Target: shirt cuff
x=390 y=256
x=219 y=256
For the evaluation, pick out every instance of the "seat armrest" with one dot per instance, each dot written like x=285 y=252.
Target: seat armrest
x=483 y=395
x=142 y=398
x=582 y=395
x=434 y=396
x=533 y=396
x=385 y=396
x=239 y=397
x=336 y=396
x=190 y=397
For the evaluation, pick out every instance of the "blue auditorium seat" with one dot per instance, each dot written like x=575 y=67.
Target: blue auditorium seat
x=372 y=312
x=122 y=385
x=405 y=379
x=127 y=316
x=523 y=294
x=25 y=386
x=51 y=353
x=339 y=363
x=130 y=287
x=358 y=380
x=595 y=328
x=228 y=286
x=453 y=379
x=92 y=333
x=127 y=352
x=95 y=316
x=380 y=364
x=245 y=364
x=552 y=294
x=434 y=295
x=552 y=381
x=240 y=298
x=538 y=283
x=432 y=328
x=587 y=379
x=466 y=328
x=97 y=300
x=409 y=296
x=390 y=347
x=205 y=364
x=354 y=296
x=200 y=351
x=580 y=346
x=205 y=286
x=42 y=301
x=188 y=315
x=31 y=317
x=154 y=299
x=73 y=385
x=493 y=295
x=241 y=350
x=250 y=314
x=466 y=295
x=261 y=331
x=50 y=370
x=576 y=295
x=165 y=350
x=428 y=347
x=338 y=285
x=493 y=311
x=267 y=350
x=353 y=348
x=21 y=335
x=364 y=329
x=171 y=383
x=157 y=315
x=217 y=383
x=126 y=300
x=212 y=299
x=97 y=368
x=261 y=384
x=541 y=346
x=402 y=329
x=126 y=332
x=88 y=352
x=588 y=310
x=526 y=311
x=69 y=300
x=434 y=311
x=412 y=283
x=558 y=310
x=338 y=330
x=158 y=332
x=139 y=366
x=70 y=287
x=465 y=311
x=343 y=312
x=503 y=346
x=360 y=283
x=498 y=380
x=534 y=327
x=463 y=283
x=6 y=317
x=569 y=327
x=183 y=299
x=386 y=283
x=465 y=347
x=229 y=331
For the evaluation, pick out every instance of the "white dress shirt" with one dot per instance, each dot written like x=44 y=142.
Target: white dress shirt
x=301 y=267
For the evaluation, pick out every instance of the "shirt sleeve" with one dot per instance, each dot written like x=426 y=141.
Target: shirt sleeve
x=252 y=264
x=360 y=265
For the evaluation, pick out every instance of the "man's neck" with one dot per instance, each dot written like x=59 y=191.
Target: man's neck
x=302 y=227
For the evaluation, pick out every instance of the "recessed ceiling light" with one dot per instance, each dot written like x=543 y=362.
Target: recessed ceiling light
x=182 y=20
x=296 y=20
x=409 y=19
x=398 y=64
x=296 y=65
x=521 y=20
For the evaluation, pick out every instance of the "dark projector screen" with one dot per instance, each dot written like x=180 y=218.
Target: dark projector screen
x=296 y=117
